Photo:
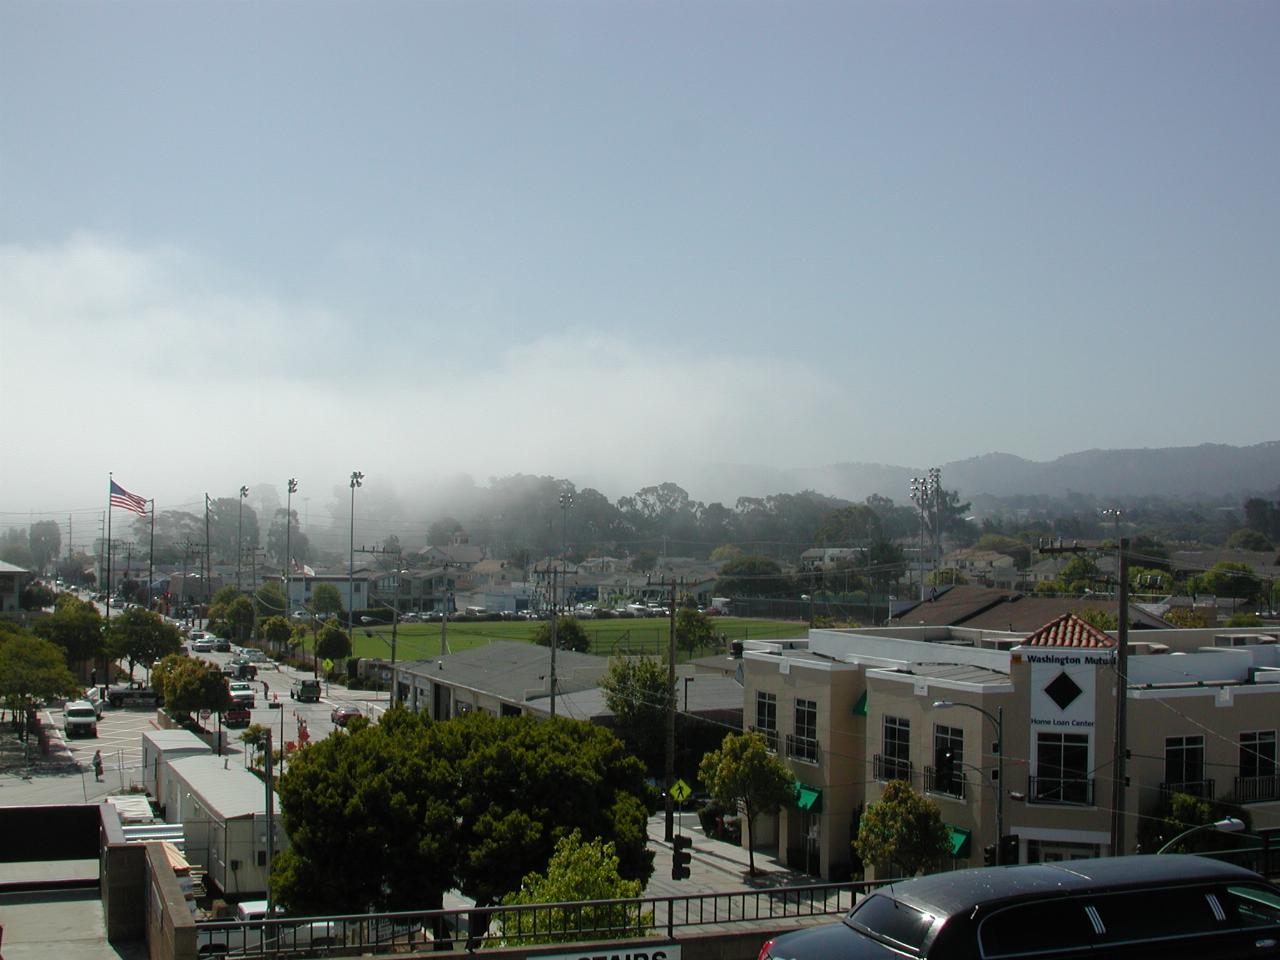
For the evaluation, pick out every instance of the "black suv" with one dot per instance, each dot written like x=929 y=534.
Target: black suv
x=1166 y=907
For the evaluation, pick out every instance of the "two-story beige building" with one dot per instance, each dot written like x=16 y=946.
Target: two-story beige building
x=850 y=710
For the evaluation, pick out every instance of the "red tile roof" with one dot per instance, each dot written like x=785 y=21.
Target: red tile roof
x=1068 y=631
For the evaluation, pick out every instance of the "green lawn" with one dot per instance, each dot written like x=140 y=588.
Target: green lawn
x=419 y=641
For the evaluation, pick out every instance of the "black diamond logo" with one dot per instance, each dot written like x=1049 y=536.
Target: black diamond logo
x=1063 y=691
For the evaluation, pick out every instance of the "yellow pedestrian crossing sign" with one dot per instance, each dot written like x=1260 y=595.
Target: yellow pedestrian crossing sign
x=680 y=791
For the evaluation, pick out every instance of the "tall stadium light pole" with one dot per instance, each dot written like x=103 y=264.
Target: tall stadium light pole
x=922 y=491
x=566 y=501
x=244 y=492
x=357 y=479
x=288 y=543
x=935 y=484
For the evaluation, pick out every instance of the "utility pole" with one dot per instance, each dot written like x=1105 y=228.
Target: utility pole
x=670 y=763
x=270 y=816
x=555 y=641
x=244 y=492
x=151 y=554
x=208 y=547
x=395 y=608
x=1122 y=698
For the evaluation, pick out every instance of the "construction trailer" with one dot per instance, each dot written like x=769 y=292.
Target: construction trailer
x=223 y=811
x=161 y=746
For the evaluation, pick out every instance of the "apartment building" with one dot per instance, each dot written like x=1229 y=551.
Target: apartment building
x=1010 y=733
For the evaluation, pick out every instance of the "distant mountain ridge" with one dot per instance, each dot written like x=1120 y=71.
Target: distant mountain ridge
x=1208 y=470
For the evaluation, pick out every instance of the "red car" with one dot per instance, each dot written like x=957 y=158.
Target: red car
x=340 y=715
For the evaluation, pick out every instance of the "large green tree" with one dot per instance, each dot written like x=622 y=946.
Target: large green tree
x=693 y=630
x=268 y=600
x=188 y=685
x=569 y=635
x=580 y=871
x=639 y=693
x=141 y=636
x=32 y=670
x=526 y=783
x=326 y=600
x=381 y=802
x=743 y=773
x=45 y=541
x=753 y=576
x=75 y=626
x=1230 y=579
x=332 y=642
x=476 y=802
x=902 y=831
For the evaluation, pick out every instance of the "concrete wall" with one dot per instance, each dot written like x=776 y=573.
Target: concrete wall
x=170 y=928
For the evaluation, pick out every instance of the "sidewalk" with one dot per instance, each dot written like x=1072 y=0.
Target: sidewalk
x=716 y=866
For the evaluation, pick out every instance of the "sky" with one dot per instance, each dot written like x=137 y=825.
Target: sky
x=620 y=242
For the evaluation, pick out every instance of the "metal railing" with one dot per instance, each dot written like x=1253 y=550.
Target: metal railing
x=1069 y=790
x=802 y=748
x=1195 y=788
x=947 y=783
x=1255 y=789
x=890 y=768
x=489 y=927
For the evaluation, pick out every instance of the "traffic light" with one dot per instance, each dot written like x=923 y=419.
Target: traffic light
x=680 y=857
x=1009 y=849
x=989 y=854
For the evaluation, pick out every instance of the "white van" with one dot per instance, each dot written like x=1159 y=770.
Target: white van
x=80 y=718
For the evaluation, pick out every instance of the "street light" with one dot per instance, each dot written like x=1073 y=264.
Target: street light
x=1225 y=825
x=244 y=492
x=288 y=543
x=357 y=480
x=997 y=721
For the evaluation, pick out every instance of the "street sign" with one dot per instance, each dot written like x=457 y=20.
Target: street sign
x=327 y=664
x=205 y=714
x=680 y=791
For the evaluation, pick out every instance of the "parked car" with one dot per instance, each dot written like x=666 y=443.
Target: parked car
x=80 y=719
x=1167 y=907
x=242 y=693
x=221 y=645
x=133 y=694
x=307 y=690
x=340 y=715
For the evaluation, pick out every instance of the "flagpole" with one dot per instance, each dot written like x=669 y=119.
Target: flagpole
x=108 y=544
x=151 y=553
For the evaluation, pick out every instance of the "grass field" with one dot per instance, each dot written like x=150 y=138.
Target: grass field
x=419 y=641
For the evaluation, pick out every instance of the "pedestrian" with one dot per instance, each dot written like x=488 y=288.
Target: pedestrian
x=97 y=765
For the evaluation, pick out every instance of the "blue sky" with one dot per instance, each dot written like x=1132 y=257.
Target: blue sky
x=613 y=241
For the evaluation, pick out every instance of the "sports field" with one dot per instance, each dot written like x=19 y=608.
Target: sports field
x=418 y=641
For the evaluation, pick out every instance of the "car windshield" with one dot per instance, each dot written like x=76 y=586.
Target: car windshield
x=81 y=712
x=891 y=920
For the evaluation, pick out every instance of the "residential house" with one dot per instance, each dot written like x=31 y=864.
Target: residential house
x=11 y=580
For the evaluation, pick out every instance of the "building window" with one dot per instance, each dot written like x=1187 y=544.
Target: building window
x=947 y=773
x=1184 y=767
x=1062 y=769
x=895 y=762
x=767 y=718
x=804 y=745
x=1257 y=780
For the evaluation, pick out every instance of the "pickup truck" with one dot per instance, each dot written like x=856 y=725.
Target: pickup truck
x=133 y=694
x=236 y=715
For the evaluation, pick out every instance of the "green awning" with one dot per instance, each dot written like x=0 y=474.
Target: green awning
x=809 y=799
x=959 y=841
x=860 y=708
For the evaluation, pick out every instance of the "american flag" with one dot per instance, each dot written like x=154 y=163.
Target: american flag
x=120 y=497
